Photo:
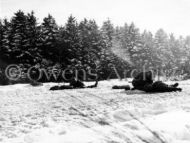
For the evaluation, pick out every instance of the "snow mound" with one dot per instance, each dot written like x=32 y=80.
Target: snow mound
x=99 y=115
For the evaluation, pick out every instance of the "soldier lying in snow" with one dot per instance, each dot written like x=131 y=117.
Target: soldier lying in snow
x=144 y=81
x=126 y=87
x=74 y=84
x=138 y=82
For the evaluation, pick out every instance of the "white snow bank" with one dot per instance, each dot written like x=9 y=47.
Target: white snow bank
x=36 y=115
x=171 y=127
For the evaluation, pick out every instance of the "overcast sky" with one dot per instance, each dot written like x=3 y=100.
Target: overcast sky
x=171 y=15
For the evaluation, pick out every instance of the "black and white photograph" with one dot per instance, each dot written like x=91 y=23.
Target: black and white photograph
x=94 y=71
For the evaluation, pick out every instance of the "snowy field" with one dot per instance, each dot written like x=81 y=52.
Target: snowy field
x=100 y=115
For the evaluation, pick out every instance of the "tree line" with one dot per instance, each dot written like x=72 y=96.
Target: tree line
x=108 y=50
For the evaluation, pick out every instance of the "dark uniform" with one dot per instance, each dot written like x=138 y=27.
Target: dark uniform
x=144 y=81
x=159 y=86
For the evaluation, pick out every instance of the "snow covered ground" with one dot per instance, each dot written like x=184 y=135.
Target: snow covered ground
x=100 y=115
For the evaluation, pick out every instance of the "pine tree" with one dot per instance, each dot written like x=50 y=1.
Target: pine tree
x=85 y=32
x=5 y=41
x=63 y=52
x=2 y=46
x=72 y=43
x=49 y=33
x=107 y=58
x=92 y=45
x=18 y=38
x=187 y=46
x=92 y=42
x=162 y=50
x=176 y=54
x=131 y=41
x=108 y=35
x=185 y=58
x=6 y=37
x=4 y=50
x=33 y=38
x=1 y=32
x=108 y=32
x=147 y=51
x=114 y=56
x=3 y=79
